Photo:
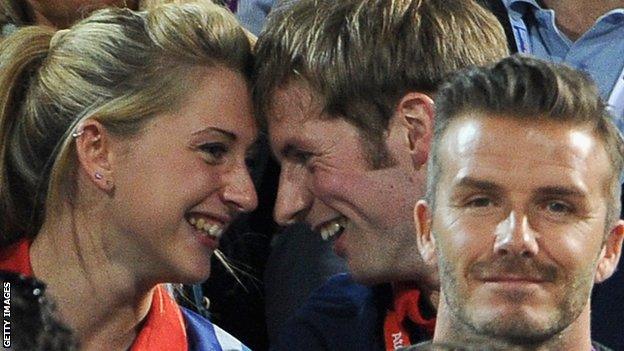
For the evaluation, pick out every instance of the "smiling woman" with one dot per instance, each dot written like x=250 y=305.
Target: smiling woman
x=123 y=152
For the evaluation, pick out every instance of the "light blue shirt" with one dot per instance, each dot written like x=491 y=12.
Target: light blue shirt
x=599 y=52
x=252 y=14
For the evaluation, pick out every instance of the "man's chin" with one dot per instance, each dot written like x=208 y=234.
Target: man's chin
x=517 y=328
x=366 y=276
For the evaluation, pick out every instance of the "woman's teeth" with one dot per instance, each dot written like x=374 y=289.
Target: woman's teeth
x=214 y=230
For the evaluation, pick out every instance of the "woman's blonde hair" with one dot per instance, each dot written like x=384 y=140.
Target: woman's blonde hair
x=118 y=66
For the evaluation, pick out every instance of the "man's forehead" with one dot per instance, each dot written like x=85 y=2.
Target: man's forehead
x=477 y=132
x=292 y=106
x=295 y=101
x=550 y=151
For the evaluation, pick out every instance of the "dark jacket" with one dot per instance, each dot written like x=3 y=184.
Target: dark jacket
x=341 y=315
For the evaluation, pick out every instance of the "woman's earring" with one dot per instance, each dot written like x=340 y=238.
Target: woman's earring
x=107 y=184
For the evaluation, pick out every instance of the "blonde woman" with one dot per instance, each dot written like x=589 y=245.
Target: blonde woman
x=123 y=149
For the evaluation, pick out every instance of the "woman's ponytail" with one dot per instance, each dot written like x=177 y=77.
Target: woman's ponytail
x=21 y=56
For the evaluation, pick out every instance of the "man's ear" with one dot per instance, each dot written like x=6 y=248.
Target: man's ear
x=424 y=237
x=610 y=255
x=93 y=150
x=417 y=111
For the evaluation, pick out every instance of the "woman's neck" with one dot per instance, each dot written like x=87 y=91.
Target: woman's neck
x=101 y=300
x=575 y=17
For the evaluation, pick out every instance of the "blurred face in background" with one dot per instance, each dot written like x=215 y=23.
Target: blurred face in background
x=63 y=13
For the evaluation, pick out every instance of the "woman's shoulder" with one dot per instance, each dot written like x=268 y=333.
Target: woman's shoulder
x=203 y=335
x=16 y=257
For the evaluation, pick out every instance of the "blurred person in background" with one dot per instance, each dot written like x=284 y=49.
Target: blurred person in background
x=33 y=324
x=60 y=14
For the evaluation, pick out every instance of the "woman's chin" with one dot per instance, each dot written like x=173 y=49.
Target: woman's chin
x=196 y=275
x=196 y=272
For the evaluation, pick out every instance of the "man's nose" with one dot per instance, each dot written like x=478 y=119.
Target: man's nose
x=293 y=197
x=515 y=236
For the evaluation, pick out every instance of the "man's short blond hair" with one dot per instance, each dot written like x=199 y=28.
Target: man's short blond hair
x=362 y=56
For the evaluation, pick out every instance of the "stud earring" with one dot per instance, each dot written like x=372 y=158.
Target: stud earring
x=98 y=176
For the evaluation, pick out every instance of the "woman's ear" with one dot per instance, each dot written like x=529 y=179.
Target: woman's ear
x=93 y=150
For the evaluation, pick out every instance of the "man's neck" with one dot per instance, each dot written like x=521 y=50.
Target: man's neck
x=575 y=17
x=449 y=329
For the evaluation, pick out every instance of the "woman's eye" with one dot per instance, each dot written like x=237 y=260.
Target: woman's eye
x=214 y=151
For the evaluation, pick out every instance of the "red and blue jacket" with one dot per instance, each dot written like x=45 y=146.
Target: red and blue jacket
x=167 y=326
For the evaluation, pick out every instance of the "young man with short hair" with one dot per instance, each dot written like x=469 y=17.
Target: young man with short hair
x=347 y=90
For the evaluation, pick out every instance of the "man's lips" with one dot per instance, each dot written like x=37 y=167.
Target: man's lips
x=514 y=270
x=513 y=278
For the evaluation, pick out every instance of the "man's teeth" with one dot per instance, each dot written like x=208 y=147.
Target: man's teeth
x=331 y=228
x=206 y=228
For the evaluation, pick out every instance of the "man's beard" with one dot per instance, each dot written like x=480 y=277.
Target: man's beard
x=518 y=328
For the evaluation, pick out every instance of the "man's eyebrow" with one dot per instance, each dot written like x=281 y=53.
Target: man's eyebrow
x=291 y=147
x=551 y=190
x=229 y=135
x=475 y=183
x=556 y=190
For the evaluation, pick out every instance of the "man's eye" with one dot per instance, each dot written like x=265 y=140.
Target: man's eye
x=301 y=156
x=479 y=202
x=558 y=207
x=214 y=151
